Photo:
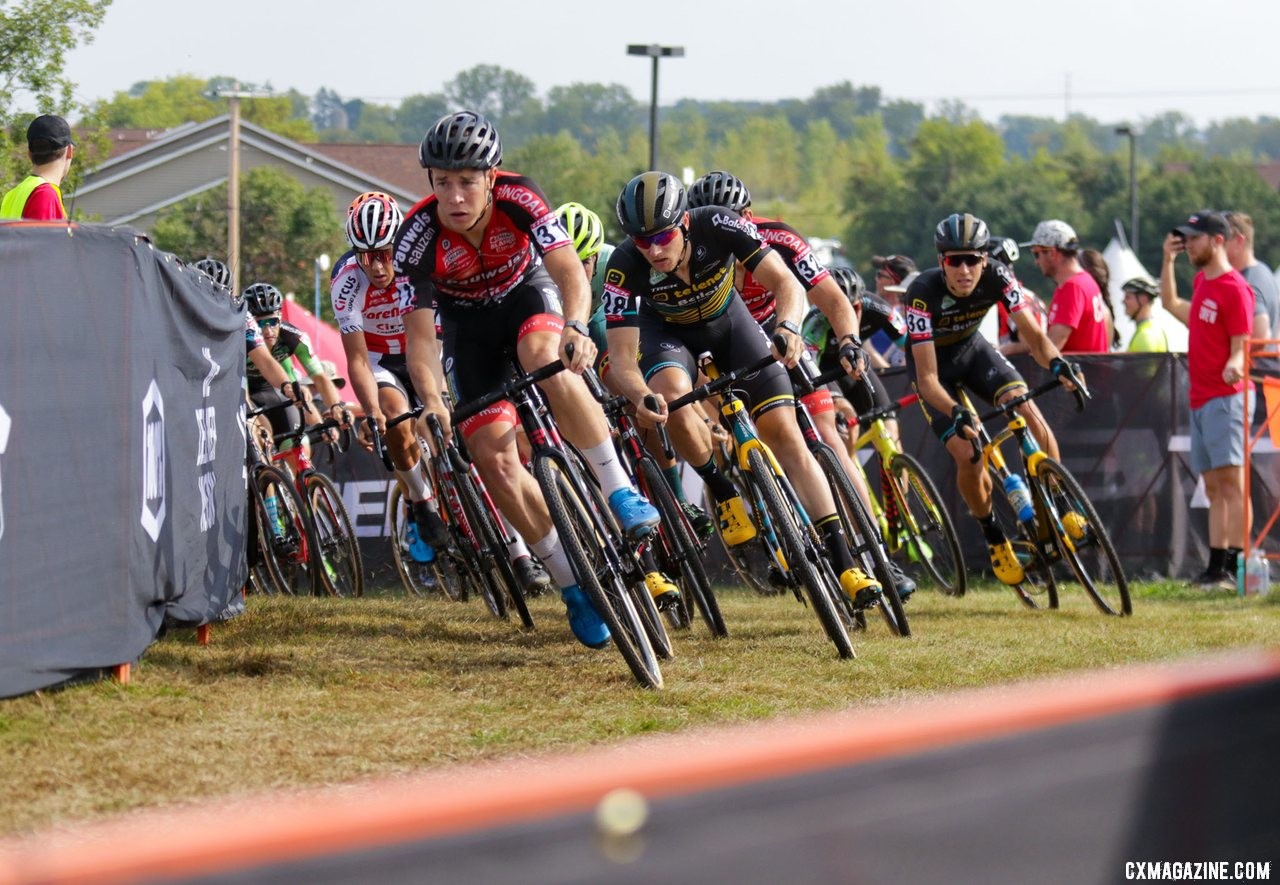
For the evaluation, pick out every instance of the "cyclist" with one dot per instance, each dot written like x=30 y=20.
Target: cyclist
x=256 y=351
x=369 y=302
x=492 y=252
x=669 y=296
x=945 y=305
x=727 y=190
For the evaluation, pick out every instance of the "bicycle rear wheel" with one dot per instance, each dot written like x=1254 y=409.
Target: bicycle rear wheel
x=338 y=564
x=802 y=558
x=586 y=549
x=864 y=541
x=285 y=541
x=1083 y=540
x=1039 y=588
x=679 y=548
x=931 y=536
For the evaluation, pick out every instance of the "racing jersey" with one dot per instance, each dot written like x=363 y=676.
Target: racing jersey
x=934 y=314
x=718 y=238
x=292 y=342
x=877 y=316
x=596 y=316
x=795 y=251
x=360 y=307
x=445 y=269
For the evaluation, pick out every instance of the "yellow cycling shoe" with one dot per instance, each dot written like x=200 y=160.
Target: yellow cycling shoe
x=1075 y=524
x=860 y=587
x=665 y=594
x=735 y=525
x=1005 y=563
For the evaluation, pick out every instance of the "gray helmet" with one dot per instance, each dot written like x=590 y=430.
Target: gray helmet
x=1003 y=249
x=652 y=201
x=719 y=189
x=464 y=140
x=263 y=298
x=215 y=270
x=850 y=283
x=961 y=232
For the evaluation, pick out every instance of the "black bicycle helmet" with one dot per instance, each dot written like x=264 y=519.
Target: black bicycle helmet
x=652 y=201
x=961 y=232
x=850 y=283
x=263 y=298
x=465 y=140
x=719 y=189
x=215 y=270
x=1003 y=249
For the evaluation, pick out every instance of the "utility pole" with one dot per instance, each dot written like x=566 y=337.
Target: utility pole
x=233 y=182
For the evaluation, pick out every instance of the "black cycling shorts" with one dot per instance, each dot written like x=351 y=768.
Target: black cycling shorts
x=974 y=364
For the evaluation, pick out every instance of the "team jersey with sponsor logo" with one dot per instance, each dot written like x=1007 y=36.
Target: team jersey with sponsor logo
x=359 y=306
x=292 y=342
x=795 y=251
x=445 y=269
x=718 y=238
x=934 y=314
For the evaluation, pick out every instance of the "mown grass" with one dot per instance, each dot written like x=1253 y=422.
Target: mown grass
x=308 y=692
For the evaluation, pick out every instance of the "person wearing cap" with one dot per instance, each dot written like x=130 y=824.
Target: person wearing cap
x=891 y=271
x=38 y=197
x=1140 y=294
x=1077 y=313
x=1266 y=304
x=1219 y=319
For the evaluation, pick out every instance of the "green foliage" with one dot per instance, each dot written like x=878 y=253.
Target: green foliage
x=164 y=104
x=283 y=227
x=35 y=37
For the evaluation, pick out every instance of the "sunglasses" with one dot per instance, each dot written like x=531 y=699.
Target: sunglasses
x=268 y=322
x=661 y=238
x=366 y=259
x=967 y=259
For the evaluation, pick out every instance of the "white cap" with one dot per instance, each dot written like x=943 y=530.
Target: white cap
x=1054 y=234
x=901 y=287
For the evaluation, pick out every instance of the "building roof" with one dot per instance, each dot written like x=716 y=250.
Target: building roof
x=394 y=163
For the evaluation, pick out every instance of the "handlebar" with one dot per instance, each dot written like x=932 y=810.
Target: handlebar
x=506 y=391
x=712 y=388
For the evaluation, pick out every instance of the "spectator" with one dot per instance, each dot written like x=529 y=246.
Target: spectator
x=1076 y=313
x=1219 y=318
x=1096 y=266
x=1266 y=306
x=38 y=197
x=1148 y=336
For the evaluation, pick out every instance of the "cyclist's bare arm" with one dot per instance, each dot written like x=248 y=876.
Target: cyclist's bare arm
x=423 y=357
x=360 y=375
x=271 y=370
x=575 y=294
x=626 y=376
x=930 y=387
x=1181 y=310
x=828 y=298
x=789 y=300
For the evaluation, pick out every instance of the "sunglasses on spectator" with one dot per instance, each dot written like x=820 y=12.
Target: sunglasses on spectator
x=268 y=322
x=968 y=259
x=661 y=238
x=366 y=259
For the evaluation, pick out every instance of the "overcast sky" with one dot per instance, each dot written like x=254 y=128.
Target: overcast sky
x=1115 y=60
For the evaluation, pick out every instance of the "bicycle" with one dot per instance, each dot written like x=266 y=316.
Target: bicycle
x=782 y=523
x=676 y=547
x=915 y=522
x=603 y=565
x=284 y=534
x=1063 y=525
x=479 y=541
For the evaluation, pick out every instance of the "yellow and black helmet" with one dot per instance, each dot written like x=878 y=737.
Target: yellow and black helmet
x=652 y=201
x=961 y=232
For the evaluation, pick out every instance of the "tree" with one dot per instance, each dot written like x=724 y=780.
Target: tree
x=35 y=37
x=164 y=104
x=417 y=113
x=507 y=98
x=283 y=225
x=587 y=110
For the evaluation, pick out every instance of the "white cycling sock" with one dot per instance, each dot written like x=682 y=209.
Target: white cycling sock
x=607 y=468
x=415 y=483
x=515 y=547
x=551 y=552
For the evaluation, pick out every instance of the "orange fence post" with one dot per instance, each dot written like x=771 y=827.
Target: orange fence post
x=120 y=673
x=1260 y=348
x=202 y=634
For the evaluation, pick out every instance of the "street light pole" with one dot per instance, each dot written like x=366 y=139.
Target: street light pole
x=1133 y=185
x=655 y=52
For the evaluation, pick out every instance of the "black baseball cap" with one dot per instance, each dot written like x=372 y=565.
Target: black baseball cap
x=1206 y=221
x=48 y=131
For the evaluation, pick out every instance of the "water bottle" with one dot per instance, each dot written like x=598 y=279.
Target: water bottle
x=1019 y=497
x=1257 y=574
x=273 y=514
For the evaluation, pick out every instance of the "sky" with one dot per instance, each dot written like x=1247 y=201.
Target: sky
x=1117 y=61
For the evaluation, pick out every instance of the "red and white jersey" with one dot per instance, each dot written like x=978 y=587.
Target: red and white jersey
x=360 y=307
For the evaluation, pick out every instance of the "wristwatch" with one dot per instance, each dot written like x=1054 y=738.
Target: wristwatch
x=789 y=326
x=578 y=326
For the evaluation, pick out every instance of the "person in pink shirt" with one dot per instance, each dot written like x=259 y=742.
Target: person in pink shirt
x=1219 y=319
x=1077 y=314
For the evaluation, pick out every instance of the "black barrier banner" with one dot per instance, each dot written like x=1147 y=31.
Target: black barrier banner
x=122 y=480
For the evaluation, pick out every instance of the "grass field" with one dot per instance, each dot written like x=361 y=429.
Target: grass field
x=308 y=691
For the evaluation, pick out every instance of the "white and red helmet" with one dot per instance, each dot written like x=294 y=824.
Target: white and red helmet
x=372 y=221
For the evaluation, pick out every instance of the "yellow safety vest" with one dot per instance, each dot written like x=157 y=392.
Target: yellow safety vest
x=16 y=199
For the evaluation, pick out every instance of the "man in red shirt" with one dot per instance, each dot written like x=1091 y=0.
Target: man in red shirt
x=1076 y=323
x=1219 y=319
x=38 y=197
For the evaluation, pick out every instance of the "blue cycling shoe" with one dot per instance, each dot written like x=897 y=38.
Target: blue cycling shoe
x=583 y=620
x=419 y=550
x=636 y=515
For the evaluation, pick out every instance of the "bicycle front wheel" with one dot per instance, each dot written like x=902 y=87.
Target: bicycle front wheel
x=801 y=557
x=584 y=543
x=338 y=564
x=417 y=578
x=931 y=538
x=1084 y=541
x=285 y=536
